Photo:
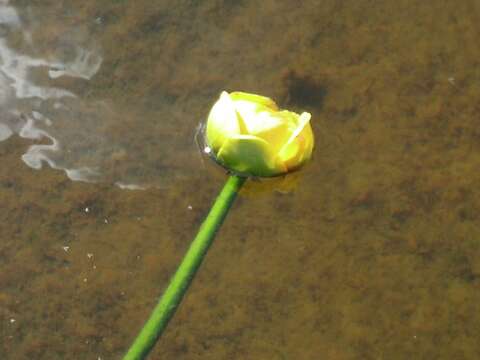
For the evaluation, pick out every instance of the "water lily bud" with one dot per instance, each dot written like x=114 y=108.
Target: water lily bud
x=250 y=135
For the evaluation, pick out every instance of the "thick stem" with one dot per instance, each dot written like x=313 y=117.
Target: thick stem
x=168 y=303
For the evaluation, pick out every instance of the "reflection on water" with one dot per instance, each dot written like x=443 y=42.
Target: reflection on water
x=42 y=112
x=70 y=132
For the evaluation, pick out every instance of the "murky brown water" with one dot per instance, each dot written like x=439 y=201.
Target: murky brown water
x=374 y=255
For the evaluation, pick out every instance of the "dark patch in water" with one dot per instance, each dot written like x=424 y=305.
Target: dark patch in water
x=303 y=90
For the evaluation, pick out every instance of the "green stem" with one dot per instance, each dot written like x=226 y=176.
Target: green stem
x=179 y=283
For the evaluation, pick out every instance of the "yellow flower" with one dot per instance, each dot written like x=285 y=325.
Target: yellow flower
x=249 y=134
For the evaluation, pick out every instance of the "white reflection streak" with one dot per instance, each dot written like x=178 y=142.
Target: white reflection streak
x=85 y=66
x=8 y=15
x=15 y=67
x=125 y=186
x=5 y=132
x=14 y=71
x=36 y=153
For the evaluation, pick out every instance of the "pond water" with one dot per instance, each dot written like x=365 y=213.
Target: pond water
x=370 y=252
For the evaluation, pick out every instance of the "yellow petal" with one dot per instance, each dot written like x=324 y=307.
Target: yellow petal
x=271 y=128
x=299 y=147
x=275 y=127
x=255 y=99
x=222 y=122
x=251 y=155
x=253 y=110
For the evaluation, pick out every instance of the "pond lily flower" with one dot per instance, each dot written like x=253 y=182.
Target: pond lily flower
x=248 y=134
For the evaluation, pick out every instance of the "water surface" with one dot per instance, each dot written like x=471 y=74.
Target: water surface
x=371 y=253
